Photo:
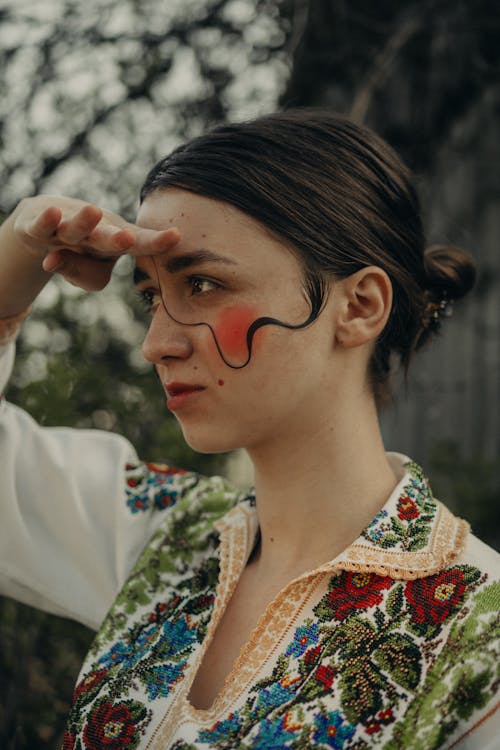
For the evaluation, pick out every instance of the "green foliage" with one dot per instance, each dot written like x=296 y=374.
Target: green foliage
x=40 y=657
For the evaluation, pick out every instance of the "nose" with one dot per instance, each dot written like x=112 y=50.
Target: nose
x=166 y=339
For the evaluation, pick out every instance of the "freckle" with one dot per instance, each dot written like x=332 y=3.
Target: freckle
x=203 y=235
x=220 y=382
x=272 y=539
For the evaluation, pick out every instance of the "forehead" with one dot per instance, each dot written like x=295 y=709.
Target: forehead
x=163 y=207
x=208 y=223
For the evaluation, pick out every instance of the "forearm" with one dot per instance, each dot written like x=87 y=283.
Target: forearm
x=78 y=240
x=21 y=273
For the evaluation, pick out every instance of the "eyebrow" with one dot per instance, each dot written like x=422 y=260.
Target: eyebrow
x=186 y=260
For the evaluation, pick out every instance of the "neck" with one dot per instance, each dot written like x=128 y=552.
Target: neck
x=315 y=497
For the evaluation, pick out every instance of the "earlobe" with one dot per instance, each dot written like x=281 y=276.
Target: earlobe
x=365 y=301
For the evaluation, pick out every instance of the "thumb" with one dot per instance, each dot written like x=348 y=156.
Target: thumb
x=84 y=271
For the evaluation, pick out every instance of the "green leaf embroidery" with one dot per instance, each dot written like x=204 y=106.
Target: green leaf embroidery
x=395 y=601
x=400 y=657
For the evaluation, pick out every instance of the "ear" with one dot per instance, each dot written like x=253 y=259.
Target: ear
x=364 y=304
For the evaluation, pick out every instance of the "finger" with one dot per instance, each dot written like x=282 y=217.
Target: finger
x=53 y=261
x=85 y=271
x=72 y=231
x=107 y=239
x=45 y=224
x=151 y=242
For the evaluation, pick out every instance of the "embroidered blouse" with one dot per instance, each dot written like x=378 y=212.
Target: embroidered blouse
x=393 y=644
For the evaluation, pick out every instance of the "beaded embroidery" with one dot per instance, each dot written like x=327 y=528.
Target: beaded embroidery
x=344 y=657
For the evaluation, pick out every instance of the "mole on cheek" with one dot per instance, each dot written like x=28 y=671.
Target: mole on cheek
x=231 y=330
x=220 y=382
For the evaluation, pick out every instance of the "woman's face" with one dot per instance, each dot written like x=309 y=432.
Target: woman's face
x=226 y=272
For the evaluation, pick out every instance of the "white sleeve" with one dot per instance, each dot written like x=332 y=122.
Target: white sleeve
x=67 y=538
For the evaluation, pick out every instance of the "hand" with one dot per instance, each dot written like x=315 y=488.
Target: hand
x=81 y=241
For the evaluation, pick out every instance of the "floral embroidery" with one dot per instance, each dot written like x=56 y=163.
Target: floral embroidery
x=331 y=729
x=433 y=599
x=273 y=735
x=365 y=654
x=223 y=730
x=373 y=662
x=68 y=741
x=87 y=686
x=114 y=726
x=150 y=485
x=353 y=591
x=159 y=680
x=304 y=637
x=407 y=509
x=409 y=527
x=382 y=718
x=134 y=663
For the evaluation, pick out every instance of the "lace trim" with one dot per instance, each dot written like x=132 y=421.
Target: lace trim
x=446 y=545
x=232 y=554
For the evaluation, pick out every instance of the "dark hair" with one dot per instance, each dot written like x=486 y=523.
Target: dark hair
x=343 y=200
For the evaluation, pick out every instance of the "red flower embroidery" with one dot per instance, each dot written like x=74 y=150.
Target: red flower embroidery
x=356 y=591
x=68 y=741
x=312 y=654
x=434 y=598
x=407 y=509
x=325 y=675
x=89 y=681
x=110 y=726
x=372 y=728
x=385 y=716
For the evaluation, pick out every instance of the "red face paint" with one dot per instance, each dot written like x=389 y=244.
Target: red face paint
x=231 y=331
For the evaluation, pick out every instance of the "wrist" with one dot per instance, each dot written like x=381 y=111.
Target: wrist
x=10 y=327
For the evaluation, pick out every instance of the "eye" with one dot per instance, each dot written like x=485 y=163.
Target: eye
x=149 y=298
x=201 y=285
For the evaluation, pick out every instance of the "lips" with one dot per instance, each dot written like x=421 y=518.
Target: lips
x=179 y=394
x=175 y=389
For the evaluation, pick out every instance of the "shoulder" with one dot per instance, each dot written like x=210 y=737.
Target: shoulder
x=153 y=487
x=480 y=555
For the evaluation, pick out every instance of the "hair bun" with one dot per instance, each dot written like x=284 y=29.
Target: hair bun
x=450 y=272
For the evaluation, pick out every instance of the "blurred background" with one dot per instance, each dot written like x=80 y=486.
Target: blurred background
x=92 y=94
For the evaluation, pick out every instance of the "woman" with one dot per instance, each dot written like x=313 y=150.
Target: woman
x=339 y=604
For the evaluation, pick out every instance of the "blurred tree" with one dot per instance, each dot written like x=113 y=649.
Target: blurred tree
x=413 y=71
x=91 y=95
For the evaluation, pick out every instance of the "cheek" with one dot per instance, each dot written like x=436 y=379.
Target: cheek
x=231 y=330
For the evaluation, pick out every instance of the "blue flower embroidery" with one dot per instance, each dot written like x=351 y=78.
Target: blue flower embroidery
x=273 y=735
x=305 y=636
x=221 y=730
x=119 y=652
x=274 y=696
x=176 y=636
x=160 y=679
x=373 y=530
x=332 y=730
x=148 y=488
x=129 y=654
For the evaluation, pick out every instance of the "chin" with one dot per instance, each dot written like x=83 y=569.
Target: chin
x=209 y=442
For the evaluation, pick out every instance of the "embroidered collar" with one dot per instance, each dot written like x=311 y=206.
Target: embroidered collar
x=413 y=536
